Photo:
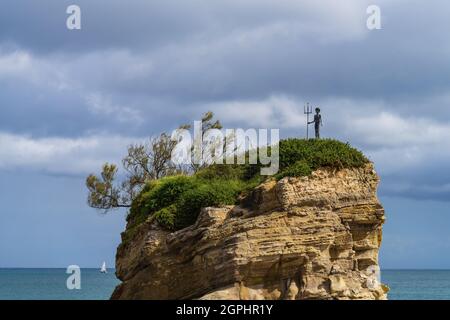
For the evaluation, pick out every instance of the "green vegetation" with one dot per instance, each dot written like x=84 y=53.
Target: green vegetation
x=176 y=201
x=300 y=157
x=144 y=162
x=154 y=188
x=299 y=169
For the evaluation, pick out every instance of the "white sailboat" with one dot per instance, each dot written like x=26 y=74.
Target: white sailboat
x=103 y=269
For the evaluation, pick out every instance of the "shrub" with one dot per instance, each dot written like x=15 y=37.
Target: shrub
x=299 y=157
x=167 y=216
x=215 y=193
x=320 y=153
x=176 y=201
x=221 y=171
x=298 y=169
x=156 y=195
x=167 y=191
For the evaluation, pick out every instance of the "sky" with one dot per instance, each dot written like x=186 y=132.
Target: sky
x=71 y=100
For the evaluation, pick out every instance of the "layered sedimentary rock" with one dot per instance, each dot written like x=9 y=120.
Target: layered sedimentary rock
x=313 y=237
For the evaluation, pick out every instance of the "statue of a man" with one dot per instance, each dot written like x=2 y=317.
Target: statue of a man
x=317 y=122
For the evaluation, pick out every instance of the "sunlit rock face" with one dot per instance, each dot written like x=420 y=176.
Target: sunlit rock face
x=314 y=237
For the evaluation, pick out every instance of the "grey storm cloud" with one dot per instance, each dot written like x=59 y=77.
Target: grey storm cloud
x=196 y=50
x=134 y=70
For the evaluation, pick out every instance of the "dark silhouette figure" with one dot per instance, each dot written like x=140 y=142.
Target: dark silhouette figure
x=317 y=122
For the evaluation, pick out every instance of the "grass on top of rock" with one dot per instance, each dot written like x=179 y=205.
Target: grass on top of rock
x=300 y=157
x=176 y=201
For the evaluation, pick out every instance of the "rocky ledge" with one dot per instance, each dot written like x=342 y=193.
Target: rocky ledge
x=313 y=237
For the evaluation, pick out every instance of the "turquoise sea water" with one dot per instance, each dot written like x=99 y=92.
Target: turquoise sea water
x=417 y=284
x=50 y=284
x=37 y=284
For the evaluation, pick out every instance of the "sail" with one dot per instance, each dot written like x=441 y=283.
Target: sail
x=103 y=269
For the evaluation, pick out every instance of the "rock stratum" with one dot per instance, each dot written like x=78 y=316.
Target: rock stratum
x=313 y=237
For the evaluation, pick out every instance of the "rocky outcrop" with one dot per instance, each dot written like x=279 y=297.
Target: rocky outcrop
x=314 y=237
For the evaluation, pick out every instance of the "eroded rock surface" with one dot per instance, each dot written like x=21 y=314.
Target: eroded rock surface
x=315 y=237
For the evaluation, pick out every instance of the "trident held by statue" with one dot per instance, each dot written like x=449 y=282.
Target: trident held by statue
x=307 y=109
x=317 y=120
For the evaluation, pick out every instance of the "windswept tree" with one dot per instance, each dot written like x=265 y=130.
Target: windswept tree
x=103 y=194
x=208 y=123
x=144 y=162
x=150 y=160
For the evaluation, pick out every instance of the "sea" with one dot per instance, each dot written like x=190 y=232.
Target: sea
x=51 y=284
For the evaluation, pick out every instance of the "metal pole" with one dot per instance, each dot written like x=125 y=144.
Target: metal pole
x=307 y=125
x=304 y=112
x=307 y=109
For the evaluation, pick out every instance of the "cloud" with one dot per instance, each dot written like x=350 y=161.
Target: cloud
x=387 y=129
x=61 y=155
x=103 y=106
x=21 y=65
x=254 y=63
x=159 y=23
x=15 y=63
x=273 y=112
x=410 y=152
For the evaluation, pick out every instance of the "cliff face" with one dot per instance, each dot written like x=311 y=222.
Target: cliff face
x=315 y=237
